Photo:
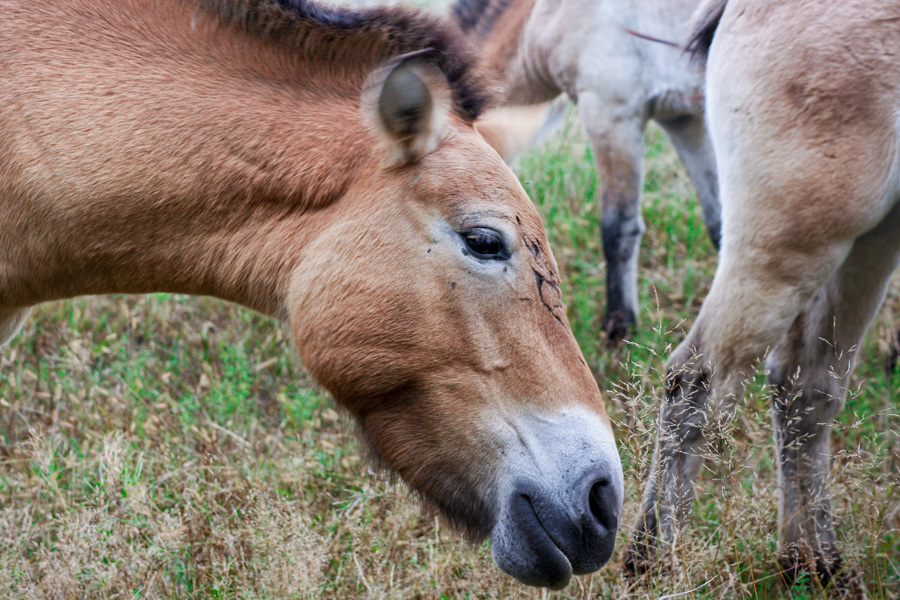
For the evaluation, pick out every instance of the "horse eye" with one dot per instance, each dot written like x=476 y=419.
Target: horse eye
x=486 y=244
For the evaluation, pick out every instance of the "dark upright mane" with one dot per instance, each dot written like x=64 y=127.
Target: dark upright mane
x=370 y=35
x=478 y=15
x=704 y=29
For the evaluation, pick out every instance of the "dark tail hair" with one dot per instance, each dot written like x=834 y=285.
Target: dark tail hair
x=704 y=29
x=478 y=15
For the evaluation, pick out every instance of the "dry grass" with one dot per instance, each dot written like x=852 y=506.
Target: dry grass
x=171 y=447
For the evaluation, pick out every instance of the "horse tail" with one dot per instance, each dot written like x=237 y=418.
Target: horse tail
x=706 y=21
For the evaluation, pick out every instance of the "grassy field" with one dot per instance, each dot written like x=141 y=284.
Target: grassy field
x=173 y=447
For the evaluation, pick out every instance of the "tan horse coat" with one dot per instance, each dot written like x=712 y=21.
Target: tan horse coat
x=803 y=109
x=277 y=154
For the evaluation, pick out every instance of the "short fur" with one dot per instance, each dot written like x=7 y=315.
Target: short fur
x=479 y=15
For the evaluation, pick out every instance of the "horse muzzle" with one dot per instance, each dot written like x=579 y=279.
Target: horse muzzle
x=561 y=504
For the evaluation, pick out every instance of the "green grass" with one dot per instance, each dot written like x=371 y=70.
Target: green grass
x=173 y=447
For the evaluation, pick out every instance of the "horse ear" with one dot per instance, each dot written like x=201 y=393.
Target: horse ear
x=408 y=101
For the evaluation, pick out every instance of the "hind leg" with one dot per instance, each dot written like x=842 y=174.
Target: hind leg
x=810 y=370
x=893 y=358
x=799 y=211
x=786 y=231
x=691 y=140
x=11 y=320
x=747 y=310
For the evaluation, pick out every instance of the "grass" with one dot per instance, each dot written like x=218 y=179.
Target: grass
x=173 y=447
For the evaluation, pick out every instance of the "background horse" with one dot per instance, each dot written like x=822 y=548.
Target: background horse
x=802 y=106
x=585 y=49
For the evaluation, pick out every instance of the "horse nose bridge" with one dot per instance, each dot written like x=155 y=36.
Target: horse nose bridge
x=535 y=436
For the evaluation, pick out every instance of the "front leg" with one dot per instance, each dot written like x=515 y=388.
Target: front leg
x=616 y=130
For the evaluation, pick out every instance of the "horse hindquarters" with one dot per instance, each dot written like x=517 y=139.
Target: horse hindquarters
x=806 y=207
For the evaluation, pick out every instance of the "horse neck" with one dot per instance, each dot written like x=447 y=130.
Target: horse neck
x=216 y=157
x=497 y=32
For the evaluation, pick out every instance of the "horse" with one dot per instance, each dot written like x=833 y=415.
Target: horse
x=318 y=165
x=588 y=50
x=802 y=105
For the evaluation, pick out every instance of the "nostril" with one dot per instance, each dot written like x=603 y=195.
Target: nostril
x=600 y=496
x=594 y=498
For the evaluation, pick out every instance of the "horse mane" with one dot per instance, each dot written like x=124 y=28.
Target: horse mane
x=705 y=24
x=478 y=15
x=366 y=35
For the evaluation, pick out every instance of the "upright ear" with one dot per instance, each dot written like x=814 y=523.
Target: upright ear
x=408 y=102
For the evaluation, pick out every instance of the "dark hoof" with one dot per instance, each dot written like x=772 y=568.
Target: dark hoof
x=715 y=236
x=617 y=326
x=821 y=567
x=641 y=554
x=890 y=363
x=825 y=571
x=638 y=560
x=848 y=585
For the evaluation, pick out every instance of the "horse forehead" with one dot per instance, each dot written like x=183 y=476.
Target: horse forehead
x=466 y=168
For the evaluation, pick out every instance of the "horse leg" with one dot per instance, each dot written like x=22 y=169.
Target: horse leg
x=893 y=359
x=748 y=309
x=11 y=320
x=691 y=140
x=799 y=186
x=616 y=136
x=810 y=370
x=765 y=278
x=785 y=231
